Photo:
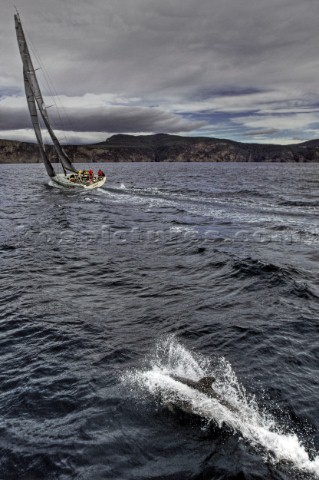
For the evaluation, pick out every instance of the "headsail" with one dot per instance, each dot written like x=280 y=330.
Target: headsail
x=34 y=97
x=36 y=125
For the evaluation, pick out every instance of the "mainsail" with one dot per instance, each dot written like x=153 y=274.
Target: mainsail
x=35 y=99
x=36 y=125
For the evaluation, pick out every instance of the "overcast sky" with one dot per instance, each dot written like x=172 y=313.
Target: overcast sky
x=247 y=70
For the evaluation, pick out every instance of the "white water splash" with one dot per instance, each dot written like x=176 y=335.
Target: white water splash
x=53 y=184
x=259 y=429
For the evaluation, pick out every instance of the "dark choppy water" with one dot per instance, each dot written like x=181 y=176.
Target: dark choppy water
x=195 y=269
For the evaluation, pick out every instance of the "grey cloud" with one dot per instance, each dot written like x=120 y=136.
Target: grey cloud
x=166 y=52
x=11 y=119
x=150 y=47
x=269 y=131
x=127 y=119
x=112 y=120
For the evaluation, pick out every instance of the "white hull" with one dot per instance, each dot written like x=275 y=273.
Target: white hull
x=64 y=181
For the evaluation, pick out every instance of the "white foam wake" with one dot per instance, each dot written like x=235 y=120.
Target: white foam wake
x=259 y=429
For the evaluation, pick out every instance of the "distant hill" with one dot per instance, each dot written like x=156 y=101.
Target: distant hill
x=166 y=148
x=310 y=143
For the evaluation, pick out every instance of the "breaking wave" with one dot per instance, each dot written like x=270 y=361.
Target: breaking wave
x=273 y=441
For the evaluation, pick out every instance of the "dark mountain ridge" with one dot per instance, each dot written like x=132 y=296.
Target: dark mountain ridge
x=165 y=148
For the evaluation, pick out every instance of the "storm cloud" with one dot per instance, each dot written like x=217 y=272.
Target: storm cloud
x=221 y=68
x=107 y=119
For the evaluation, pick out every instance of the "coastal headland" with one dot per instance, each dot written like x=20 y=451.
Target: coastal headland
x=165 y=148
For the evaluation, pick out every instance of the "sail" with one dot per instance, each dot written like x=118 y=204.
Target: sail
x=33 y=85
x=64 y=159
x=36 y=125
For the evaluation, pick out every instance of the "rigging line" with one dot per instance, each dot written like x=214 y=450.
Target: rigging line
x=53 y=92
x=45 y=74
x=50 y=87
x=54 y=104
x=54 y=95
x=56 y=124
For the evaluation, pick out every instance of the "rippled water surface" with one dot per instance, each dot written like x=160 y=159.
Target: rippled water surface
x=188 y=269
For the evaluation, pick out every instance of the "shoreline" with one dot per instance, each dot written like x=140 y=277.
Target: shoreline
x=164 y=148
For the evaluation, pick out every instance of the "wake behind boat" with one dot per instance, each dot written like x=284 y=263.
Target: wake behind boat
x=71 y=177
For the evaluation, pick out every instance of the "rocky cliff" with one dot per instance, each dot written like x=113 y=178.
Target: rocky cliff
x=165 y=148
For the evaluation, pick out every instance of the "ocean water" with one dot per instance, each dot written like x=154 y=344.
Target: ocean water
x=189 y=269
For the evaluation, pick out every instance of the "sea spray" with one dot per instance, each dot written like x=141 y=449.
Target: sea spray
x=258 y=428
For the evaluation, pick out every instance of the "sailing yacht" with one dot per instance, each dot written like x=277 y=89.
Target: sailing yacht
x=71 y=177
